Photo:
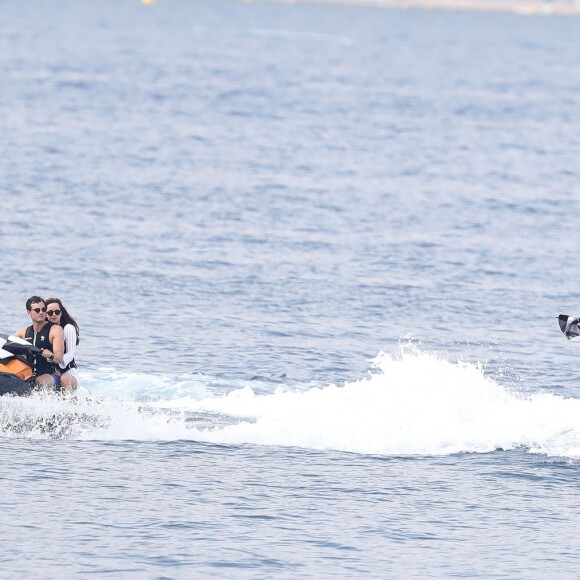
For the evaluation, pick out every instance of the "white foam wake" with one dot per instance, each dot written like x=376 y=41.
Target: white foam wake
x=414 y=404
x=410 y=404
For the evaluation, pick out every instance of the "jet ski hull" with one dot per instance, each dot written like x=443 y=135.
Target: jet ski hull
x=13 y=385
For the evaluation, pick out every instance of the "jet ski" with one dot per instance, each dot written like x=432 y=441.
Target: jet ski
x=16 y=376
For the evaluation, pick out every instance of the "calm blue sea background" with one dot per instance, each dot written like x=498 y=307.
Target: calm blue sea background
x=316 y=254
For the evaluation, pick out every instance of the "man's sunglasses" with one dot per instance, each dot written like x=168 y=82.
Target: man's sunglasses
x=54 y=312
x=39 y=310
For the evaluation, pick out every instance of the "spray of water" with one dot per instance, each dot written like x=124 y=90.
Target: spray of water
x=410 y=404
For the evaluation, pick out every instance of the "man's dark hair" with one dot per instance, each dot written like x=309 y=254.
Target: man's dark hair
x=33 y=300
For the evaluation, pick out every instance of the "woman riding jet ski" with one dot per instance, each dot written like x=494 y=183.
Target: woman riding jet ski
x=16 y=376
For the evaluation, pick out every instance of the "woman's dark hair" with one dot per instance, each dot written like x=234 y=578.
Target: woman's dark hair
x=65 y=317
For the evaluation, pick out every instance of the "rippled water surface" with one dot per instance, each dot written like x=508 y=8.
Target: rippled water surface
x=316 y=254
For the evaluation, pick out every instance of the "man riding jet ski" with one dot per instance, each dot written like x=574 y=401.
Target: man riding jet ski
x=49 y=338
x=33 y=354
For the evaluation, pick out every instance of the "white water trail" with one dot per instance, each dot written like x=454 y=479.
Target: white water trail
x=411 y=404
x=414 y=405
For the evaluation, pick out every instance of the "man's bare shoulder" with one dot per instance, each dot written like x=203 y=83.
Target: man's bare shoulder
x=21 y=333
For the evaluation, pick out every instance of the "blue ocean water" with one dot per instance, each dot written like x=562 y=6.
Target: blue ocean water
x=316 y=254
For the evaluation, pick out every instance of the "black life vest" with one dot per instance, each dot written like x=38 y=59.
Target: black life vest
x=40 y=366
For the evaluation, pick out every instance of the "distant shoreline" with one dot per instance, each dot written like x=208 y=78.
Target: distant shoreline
x=524 y=7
